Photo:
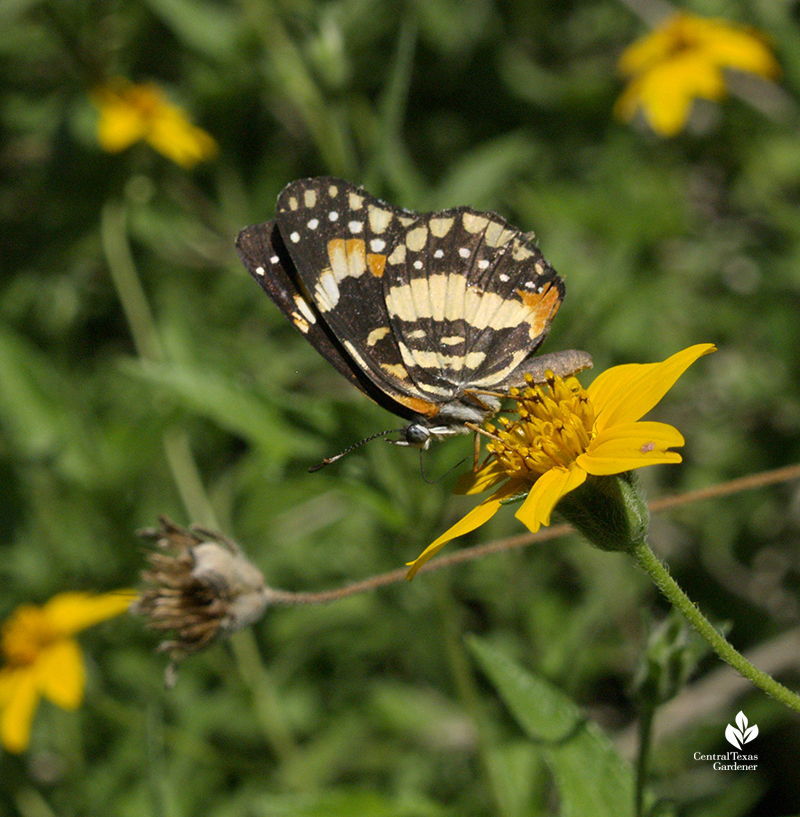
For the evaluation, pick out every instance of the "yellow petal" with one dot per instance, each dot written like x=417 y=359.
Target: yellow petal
x=626 y=393
x=545 y=493
x=738 y=48
x=60 y=674
x=120 y=122
x=651 y=49
x=19 y=697
x=69 y=613
x=476 y=482
x=627 y=446
x=129 y=113
x=665 y=93
x=118 y=128
x=175 y=137
x=474 y=519
x=125 y=111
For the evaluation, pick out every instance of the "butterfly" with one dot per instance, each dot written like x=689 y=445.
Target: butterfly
x=435 y=316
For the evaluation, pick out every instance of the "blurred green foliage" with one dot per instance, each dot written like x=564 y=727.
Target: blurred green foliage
x=373 y=706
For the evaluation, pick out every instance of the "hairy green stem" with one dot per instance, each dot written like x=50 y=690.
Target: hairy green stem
x=658 y=572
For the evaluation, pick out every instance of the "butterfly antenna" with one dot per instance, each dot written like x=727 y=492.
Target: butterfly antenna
x=329 y=460
x=435 y=481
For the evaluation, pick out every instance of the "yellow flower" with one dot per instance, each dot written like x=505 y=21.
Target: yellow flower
x=683 y=60
x=130 y=113
x=566 y=433
x=40 y=657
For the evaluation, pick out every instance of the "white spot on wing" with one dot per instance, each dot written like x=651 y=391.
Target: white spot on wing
x=260 y=270
x=355 y=226
x=300 y=323
x=295 y=237
x=327 y=291
x=273 y=259
x=395 y=369
x=474 y=223
x=378 y=218
x=333 y=215
x=464 y=252
x=497 y=235
x=304 y=307
x=440 y=227
x=313 y=224
x=418 y=264
x=377 y=245
x=417 y=238
x=348 y=258
x=438 y=254
x=377 y=334
x=333 y=191
x=398 y=254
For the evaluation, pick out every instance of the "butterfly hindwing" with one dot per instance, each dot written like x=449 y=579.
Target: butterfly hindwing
x=471 y=301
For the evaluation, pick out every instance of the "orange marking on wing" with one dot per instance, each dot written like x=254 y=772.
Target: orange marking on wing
x=376 y=264
x=423 y=407
x=543 y=306
x=355 y=246
x=336 y=247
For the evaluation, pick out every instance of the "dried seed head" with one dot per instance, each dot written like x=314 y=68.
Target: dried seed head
x=198 y=585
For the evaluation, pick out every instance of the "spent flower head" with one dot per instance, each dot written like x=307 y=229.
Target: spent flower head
x=564 y=435
x=131 y=113
x=41 y=658
x=685 y=59
x=199 y=585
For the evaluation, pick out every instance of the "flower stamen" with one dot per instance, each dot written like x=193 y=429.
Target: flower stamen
x=554 y=428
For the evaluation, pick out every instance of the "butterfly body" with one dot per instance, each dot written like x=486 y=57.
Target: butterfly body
x=432 y=315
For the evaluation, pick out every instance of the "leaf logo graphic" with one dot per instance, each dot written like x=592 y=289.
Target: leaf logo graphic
x=743 y=734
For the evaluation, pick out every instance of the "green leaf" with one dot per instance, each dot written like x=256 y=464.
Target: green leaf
x=517 y=773
x=29 y=414
x=232 y=408
x=207 y=27
x=591 y=778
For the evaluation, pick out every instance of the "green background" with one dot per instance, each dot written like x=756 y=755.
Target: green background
x=374 y=705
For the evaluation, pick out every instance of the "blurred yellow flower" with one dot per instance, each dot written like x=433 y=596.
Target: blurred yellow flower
x=683 y=60
x=130 y=113
x=565 y=434
x=41 y=658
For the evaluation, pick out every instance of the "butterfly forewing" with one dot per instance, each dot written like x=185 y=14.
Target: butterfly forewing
x=263 y=253
x=342 y=241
